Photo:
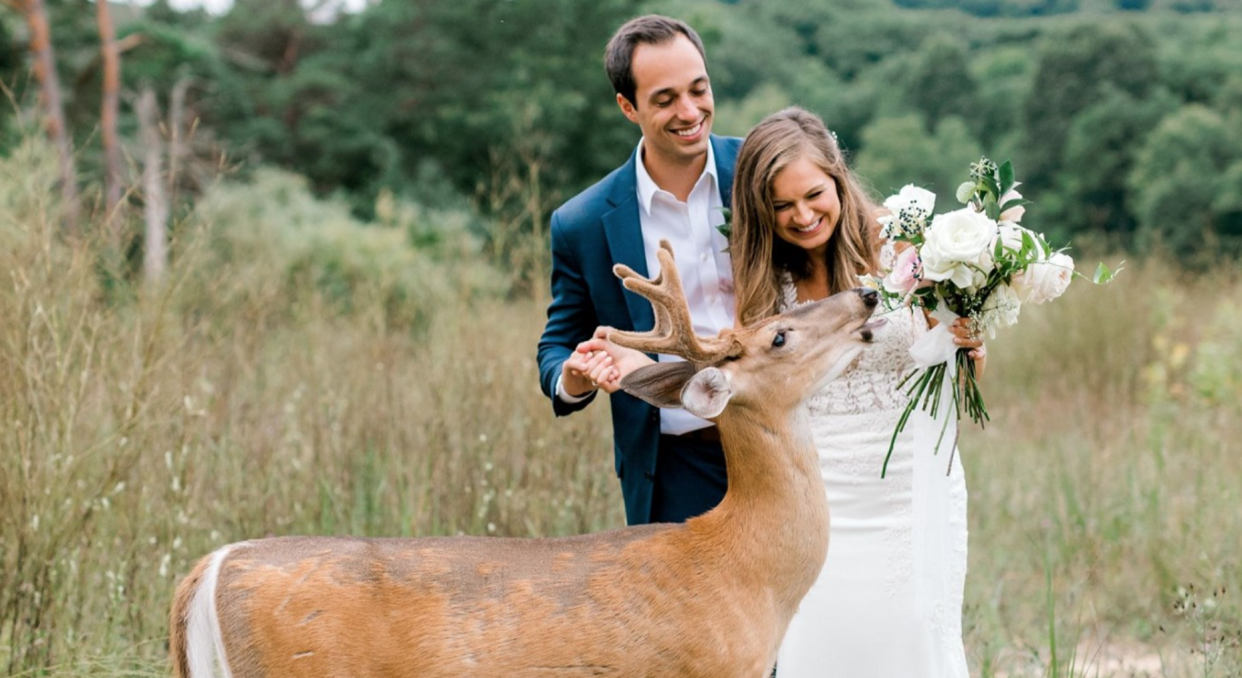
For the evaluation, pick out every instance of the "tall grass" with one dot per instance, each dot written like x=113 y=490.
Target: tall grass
x=300 y=373
x=276 y=384
x=1113 y=457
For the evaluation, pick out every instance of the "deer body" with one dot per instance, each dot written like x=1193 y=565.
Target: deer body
x=711 y=597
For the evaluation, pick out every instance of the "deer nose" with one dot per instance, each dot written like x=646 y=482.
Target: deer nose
x=870 y=297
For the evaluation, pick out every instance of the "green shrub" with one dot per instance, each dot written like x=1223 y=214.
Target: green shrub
x=282 y=248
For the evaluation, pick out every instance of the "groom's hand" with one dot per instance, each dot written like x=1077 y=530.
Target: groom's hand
x=607 y=374
x=578 y=368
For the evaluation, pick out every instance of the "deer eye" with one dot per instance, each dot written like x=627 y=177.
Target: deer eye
x=779 y=340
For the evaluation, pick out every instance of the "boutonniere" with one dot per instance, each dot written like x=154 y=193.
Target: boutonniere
x=726 y=229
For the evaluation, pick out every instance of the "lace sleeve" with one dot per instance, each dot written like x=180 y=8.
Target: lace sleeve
x=888 y=257
x=789 y=293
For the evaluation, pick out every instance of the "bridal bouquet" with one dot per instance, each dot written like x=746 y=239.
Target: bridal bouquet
x=976 y=262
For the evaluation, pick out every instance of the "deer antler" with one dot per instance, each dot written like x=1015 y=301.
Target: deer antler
x=673 y=333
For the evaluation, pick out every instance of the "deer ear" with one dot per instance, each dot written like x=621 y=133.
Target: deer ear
x=707 y=393
x=659 y=384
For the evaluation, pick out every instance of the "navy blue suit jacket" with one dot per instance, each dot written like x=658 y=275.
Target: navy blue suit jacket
x=594 y=230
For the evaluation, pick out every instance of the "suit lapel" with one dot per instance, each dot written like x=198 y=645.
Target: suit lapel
x=726 y=158
x=623 y=229
x=624 y=233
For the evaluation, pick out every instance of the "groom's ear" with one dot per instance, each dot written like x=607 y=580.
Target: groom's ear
x=627 y=108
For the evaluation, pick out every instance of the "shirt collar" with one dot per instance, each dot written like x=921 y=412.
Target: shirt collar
x=647 y=188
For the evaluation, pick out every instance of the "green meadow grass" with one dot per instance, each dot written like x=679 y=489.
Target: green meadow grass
x=1102 y=493
x=143 y=428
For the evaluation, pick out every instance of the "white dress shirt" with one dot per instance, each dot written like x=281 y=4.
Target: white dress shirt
x=704 y=265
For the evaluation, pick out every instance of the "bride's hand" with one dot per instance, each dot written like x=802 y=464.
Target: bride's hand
x=965 y=337
x=620 y=361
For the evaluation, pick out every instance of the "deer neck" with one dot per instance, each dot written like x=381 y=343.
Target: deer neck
x=774 y=517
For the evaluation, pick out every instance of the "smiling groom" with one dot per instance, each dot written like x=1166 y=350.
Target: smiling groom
x=673 y=188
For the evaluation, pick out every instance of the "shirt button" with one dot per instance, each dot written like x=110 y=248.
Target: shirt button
x=703 y=256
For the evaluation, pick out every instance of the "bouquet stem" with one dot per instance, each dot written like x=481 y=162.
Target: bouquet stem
x=972 y=400
x=925 y=392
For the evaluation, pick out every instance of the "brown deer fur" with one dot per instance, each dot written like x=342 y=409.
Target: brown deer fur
x=711 y=597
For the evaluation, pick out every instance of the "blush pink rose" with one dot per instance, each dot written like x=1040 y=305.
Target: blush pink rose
x=1013 y=214
x=907 y=272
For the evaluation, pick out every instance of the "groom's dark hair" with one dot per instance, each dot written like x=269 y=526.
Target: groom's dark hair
x=651 y=29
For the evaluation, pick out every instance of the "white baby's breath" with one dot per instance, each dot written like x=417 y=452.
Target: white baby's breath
x=1000 y=310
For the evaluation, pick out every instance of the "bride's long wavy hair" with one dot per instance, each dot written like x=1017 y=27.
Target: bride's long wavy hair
x=759 y=256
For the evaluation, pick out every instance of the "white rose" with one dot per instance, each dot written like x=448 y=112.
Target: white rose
x=911 y=196
x=1010 y=236
x=978 y=280
x=1045 y=280
x=956 y=245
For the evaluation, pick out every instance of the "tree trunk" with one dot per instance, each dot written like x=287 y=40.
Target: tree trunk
x=53 y=109
x=108 y=118
x=155 y=244
x=176 y=135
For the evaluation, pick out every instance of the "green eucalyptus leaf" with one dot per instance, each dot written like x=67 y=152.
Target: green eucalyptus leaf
x=1047 y=247
x=1016 y=202
x=726 y=229
x=1006 y=178
x=1028 y=245
x=990 y=186
x=991 y=208
x=1103 y=275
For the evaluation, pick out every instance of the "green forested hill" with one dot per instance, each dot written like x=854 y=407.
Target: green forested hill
x=1123 y=118
x=1026 y=8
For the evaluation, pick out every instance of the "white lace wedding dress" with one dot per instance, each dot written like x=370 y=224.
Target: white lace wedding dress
x=888 y=602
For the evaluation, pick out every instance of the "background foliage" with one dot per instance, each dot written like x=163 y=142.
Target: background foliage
x=503 y=106
x=345 y=341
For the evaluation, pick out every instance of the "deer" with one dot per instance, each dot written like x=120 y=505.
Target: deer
x=711 y=597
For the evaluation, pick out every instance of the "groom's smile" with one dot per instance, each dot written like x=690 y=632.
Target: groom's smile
x=691 y=133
